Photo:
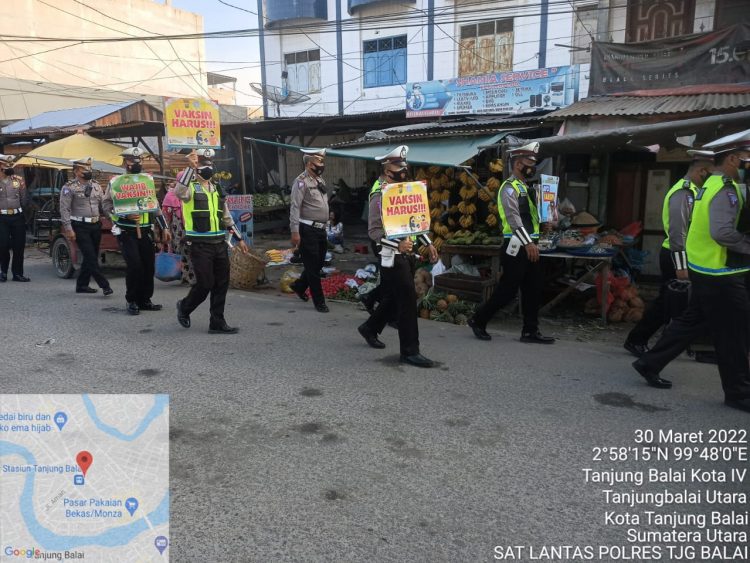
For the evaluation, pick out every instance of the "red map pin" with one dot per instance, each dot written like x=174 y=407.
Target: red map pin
x=84 y=460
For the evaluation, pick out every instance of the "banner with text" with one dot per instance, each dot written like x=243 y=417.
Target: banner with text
x=133 y=193
x=405 y=209
x=500 y=92
x=241 y=208
x=192 y=123
x=719 y=57
x=548 y=199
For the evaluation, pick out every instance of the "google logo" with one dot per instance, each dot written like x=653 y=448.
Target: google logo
x=18 y=552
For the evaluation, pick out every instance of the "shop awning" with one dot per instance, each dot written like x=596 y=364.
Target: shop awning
x=443 y=151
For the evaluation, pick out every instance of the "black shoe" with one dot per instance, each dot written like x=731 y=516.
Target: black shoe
x=536 y=338
x=370 y=338
x=323 y=308
x=740 y=404
x=20 y=278
x=651 y=378
x=417 y=360
x=107 y=291
x=300 y=294
x=636 y=349
x=148 y=306
x=182 y=318
x=3 y=277
x=223 y=328
x=478 y=331
x=86 y=290
x=133 y=309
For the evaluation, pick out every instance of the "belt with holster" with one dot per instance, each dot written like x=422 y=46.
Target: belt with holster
x=85 y=219
x=10 y=211
x=316 y=224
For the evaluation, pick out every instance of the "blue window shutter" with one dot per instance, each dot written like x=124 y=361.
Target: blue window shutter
x=385 y=68
x=399 y=66
x=371 y=69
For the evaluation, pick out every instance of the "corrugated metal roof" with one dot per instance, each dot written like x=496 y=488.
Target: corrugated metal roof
x=468 y=124
x=653 y=105
x=65 y=118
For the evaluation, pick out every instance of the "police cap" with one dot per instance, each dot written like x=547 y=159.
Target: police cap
x=730 y=143
x=396 y=157
x=530 y=151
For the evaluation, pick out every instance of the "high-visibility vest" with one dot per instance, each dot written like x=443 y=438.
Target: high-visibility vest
x=203 y=214
x=683 y=184
x=526 y=207
x=705 y=255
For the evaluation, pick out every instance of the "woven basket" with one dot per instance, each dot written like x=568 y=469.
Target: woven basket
x=246 y=270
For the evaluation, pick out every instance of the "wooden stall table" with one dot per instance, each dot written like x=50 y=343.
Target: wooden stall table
x=481 y=288
x=602 y=264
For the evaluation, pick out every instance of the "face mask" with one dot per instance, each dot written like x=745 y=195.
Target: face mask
x=529 y=171
x=399 y=176
x=135 y=168
x=206 y=172
x=87 y=175
x=8 y=171
x=319 y=169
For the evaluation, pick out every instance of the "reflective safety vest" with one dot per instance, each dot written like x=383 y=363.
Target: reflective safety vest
x=683 y=184
x=144 y=220
x=526 y=208
x=203 y=214
x=705 y=255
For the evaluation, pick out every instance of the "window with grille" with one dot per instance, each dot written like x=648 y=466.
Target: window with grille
x=584 y=28
x=303 y=71
x=384 y=61
x=486 y=47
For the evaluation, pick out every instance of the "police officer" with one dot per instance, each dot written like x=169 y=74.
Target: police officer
x=398 y=295
x=308 y=215
x=80 y=209
x=207 y=220
x=718 y=257
x=520 y=219
x=135 y=235
x=12 y=223
x=676 y=210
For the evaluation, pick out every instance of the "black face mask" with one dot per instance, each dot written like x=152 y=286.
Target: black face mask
x=135 y=168
x=8 y=171
x=529 y=171
x=318 y=170
x=399 y=176
x=87 y=175
x=206 y=172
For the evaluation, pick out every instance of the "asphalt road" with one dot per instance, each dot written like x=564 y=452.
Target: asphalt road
x=295 y=441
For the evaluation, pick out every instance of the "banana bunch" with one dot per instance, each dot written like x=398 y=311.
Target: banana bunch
x=492 y=208
x=435 y=197
x=275 y=255
x=438 y=243
x=466 y=208
x=485 y=195
x=436 y=212
x=496 y=166
x=439 y=229
x=466 y=221
x=493 y=184
x=491 y=220
x=468 y=192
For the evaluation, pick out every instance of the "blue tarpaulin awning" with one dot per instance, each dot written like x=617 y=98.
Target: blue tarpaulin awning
x=439 y=151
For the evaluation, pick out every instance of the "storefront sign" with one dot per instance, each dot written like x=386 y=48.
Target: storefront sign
x=133 y=193
x=548 y=199
x=719 y=57
x=500 y=92
x=192 y=123
x=405 y=209
x=241 y=208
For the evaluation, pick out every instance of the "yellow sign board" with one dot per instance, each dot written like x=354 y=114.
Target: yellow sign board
x=192 y=123
x=405 y=209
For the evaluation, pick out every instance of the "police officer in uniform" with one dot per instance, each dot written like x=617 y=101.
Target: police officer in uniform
x=398 y=297
x=308 y=215
x=207 y=220
x=80 y=210
x=718 y=258
x=520 y=220
x=135 y=235
x=12 y=223
x=676 y=210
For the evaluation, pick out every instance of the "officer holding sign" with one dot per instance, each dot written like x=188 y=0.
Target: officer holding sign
x=12 y=224
x=134 y=232
x=520 y=219
x=207 y=220
x=398 y=295
x=80 y=209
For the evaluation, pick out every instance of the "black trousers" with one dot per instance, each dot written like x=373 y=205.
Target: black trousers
x=313 y=245
x=88 y=239
x=719 y=305
x=12 y=239
x=518 y=273
x=139 y=257
x=211 y=267
x=657 y=314
x=398 y=299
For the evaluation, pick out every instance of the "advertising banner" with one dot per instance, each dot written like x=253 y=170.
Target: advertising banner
x=718 y=57
x=548 y=199
x=500 y=92
x=241 y=208
x=192 y=123
x=405 y=209
x=133 y=193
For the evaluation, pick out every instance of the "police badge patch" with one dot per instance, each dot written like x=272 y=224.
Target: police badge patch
x=733 y=199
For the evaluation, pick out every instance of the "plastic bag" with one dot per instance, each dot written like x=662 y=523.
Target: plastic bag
x=168 y=266
x=287 y=279
x=437 y=269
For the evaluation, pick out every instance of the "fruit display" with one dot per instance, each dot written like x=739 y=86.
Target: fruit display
x=445 y=307
x=422 y=282
x=626 y=305
x=268 y=200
